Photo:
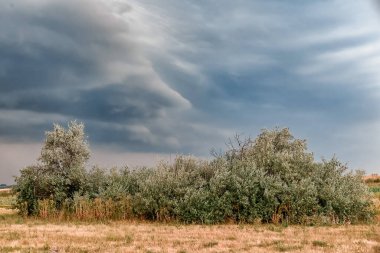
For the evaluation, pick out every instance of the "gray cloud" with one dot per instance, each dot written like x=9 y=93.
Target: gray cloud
x=77 y=59
x=183 y=76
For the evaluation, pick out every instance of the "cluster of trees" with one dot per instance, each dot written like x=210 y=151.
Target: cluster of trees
x=272 y=178
x=3 y=186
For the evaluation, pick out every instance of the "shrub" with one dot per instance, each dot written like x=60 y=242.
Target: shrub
x=272 y=179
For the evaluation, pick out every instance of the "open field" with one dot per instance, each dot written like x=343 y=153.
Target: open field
x=29 y=235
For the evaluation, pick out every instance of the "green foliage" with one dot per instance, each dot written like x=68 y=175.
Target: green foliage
x=341 y=194
x=270 y=179
x=60 y=173
x=374 y=189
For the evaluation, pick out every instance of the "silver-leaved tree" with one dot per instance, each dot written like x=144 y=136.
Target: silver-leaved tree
x=60 y=171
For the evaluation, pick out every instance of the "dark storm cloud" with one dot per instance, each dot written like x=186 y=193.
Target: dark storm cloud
x=307 y=65
x=112 y=103
x=77 y=60
x=46 y=45
x=258 y=59
x=183 y=76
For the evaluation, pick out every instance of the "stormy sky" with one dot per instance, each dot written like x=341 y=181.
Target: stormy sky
x=151 y=79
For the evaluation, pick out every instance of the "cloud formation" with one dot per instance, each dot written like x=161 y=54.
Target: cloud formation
x=182 y=76
x=78 y=60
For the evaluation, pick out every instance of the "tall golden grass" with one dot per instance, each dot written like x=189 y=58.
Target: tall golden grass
x=86 y=209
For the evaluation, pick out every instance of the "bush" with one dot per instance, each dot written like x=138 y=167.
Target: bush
x=341 y=194
x=272 y=178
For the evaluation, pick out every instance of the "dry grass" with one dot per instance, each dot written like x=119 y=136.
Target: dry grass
x=31 y=235
x=6 y=202
x=7 y=211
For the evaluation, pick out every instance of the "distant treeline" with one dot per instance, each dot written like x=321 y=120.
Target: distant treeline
x=272 y=178
x=372 y=180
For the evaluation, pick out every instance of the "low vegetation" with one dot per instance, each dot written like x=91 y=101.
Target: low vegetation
x=271 y=179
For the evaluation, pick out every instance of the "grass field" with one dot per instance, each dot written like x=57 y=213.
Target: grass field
x=19 y=234
x=29 y=235
x=6 y=198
